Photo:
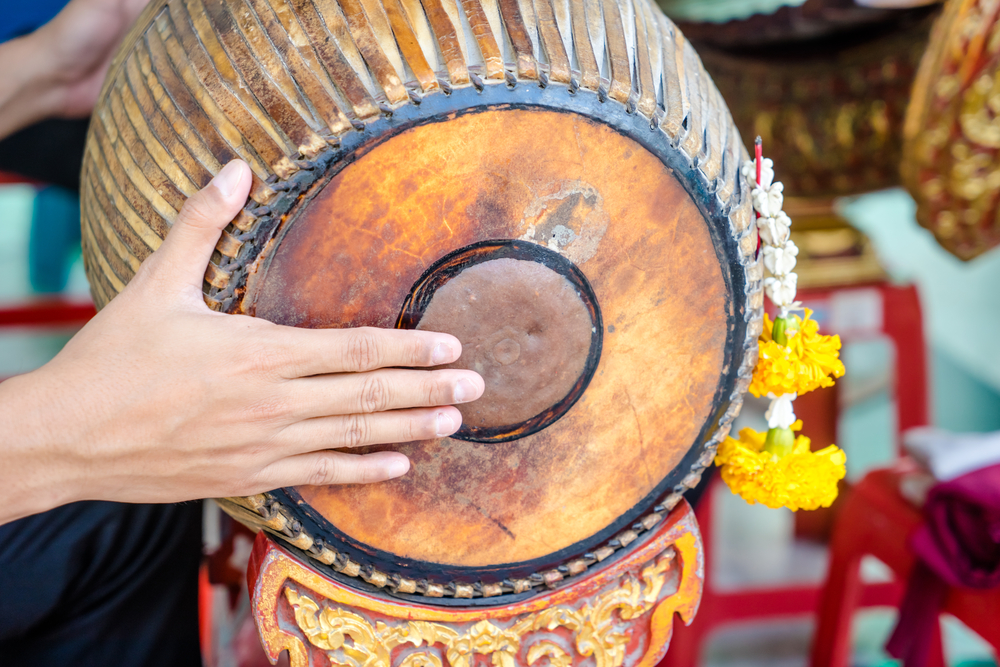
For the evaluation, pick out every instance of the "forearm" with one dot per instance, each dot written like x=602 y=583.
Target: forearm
x=35 y=468
x=141 y=406
x=28 y=90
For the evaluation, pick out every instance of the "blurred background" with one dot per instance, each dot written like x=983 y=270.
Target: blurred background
x=867 y=111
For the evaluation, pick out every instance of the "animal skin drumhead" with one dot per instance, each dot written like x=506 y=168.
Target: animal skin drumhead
x=353 y=256
x=577 y=221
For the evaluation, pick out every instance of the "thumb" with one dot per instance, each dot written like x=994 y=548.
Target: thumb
x=185 y=253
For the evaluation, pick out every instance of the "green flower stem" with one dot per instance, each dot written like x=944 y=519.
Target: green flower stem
x=779 y=442
x=778 y=331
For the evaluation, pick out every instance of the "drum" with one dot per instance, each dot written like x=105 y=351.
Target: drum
x=556 y=182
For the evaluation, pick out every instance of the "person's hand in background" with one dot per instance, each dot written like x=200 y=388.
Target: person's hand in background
x=160 y=399
x=58 y=70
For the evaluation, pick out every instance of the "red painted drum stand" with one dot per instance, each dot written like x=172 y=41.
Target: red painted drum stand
x=622 y=614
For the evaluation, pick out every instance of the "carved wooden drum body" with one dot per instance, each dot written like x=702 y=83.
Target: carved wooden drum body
x=555 y=182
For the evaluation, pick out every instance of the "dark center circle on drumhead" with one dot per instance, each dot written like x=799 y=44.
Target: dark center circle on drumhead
x=529 y=325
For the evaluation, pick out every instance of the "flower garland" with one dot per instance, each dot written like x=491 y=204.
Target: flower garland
x=778 y=469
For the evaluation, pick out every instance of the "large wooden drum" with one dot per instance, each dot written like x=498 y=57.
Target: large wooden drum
x=556 y=182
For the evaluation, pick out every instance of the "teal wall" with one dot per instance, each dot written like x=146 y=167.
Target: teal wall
x=961 y=305
x=961 y=402
x=720 y=11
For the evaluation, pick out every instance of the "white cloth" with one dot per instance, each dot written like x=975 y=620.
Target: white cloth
x=950 y=455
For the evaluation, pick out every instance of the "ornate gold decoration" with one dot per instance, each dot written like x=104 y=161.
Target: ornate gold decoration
x=951 y=151
x=618 y=613
x=594 y=628
x=423 y=659
x=557 y=657
x=834 y=123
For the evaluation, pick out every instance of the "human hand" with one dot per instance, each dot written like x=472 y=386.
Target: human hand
x=161 y=399
x=59 y=69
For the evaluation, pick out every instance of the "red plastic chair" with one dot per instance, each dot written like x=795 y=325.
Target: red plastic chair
x=877 y=520
x=8 y=178
x=46 y=314
x=877 y=309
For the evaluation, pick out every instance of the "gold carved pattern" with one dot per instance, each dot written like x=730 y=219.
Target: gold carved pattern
x=951 y=159
x=421 y=660
x=623 y=601
x=557 y=657
x=595 y=627
x=833 y=124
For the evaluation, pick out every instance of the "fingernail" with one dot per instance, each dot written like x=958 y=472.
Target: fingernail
x=229 y=178
x=397 y=467
x=464 y=391
x=445 y=424
x=442 y=354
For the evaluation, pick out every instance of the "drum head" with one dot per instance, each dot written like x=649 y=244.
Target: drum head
x=354 y=254
x=590 y=247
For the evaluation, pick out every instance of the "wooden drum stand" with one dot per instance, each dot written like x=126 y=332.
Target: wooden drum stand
x=621 y=615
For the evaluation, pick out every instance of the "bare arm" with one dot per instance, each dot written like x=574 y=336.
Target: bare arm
x=160 y=399
x=58 y=69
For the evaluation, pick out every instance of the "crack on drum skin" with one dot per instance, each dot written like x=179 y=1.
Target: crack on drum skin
x=580 y=143
x=444 y=221
x=389 y=246
x=465 y=501
x=642 y=440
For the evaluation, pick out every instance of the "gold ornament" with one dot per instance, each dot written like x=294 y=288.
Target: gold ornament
x=594 y=626
x=557 y=657
x=951 y=149
x=424 y=659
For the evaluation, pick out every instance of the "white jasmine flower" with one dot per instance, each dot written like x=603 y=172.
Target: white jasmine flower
x=749 y=172
x=783 y=218
x=768 y=201
x=780 y=413
x=780 y=260
x=781 y=290
x=774 y=230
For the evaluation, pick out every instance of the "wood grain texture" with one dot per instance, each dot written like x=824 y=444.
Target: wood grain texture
x=517 y=31
x=552 y=42
x=352 y=110
x=619 y=69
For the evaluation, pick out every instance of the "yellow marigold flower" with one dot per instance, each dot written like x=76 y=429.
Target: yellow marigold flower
x=801 y=480
x=805 y=363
